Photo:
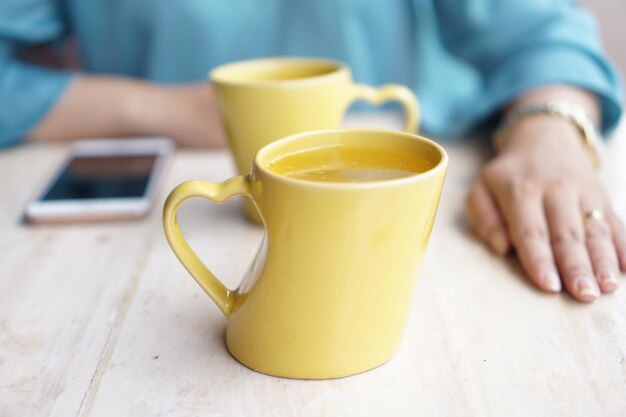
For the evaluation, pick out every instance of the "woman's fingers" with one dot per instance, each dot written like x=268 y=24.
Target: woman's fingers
x=600 y=246
x=521 y=201
x=619 y=236
x=564 y=232
x=567 y=236
x=486 y=220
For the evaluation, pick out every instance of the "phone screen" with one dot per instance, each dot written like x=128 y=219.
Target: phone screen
x=106 y=177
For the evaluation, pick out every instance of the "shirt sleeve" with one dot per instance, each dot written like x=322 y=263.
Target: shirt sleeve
x=517 y=45
x=27 y=92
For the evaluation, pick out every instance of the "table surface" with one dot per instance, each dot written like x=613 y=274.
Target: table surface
x=102 y=320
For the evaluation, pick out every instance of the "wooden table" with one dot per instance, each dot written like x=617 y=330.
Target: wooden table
x=101 y=320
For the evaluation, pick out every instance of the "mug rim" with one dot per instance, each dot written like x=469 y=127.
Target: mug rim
x=218 y=75
x=441 y=165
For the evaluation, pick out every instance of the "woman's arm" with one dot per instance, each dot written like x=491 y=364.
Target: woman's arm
x=46 y=104
x=106 y=106
x=533 y=196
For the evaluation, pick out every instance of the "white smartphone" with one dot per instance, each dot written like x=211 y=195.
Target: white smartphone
x=108 y=179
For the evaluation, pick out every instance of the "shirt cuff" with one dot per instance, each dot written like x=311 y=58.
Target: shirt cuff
x=570 y=65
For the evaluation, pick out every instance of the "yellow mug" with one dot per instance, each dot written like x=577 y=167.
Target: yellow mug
x=267 y=99
x=348 y=214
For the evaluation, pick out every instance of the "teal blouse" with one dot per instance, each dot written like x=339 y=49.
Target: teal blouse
x=464 y=59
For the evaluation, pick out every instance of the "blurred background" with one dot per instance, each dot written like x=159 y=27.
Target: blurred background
x=610 y=14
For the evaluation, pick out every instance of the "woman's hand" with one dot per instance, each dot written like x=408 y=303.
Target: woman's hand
x=533 y=197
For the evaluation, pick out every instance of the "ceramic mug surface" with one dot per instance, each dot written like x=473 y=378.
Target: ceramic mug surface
x=348 y=214
x=267 y=99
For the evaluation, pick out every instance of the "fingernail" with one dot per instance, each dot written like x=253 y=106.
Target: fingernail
x=608 y=280
x=551 y=281
x=587 y=288
x=499 y=244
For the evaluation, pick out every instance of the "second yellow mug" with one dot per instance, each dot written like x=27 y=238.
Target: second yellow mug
x=348 y=214
x=263 y=100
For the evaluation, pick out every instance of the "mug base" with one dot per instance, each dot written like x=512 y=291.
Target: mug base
x=315 y=375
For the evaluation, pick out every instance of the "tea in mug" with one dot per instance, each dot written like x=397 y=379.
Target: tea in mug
x=349 y=164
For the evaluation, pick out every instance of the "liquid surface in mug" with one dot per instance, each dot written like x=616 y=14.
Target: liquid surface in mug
x=349 y=164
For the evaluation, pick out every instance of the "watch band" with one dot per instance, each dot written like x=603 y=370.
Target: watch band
x=571 y=112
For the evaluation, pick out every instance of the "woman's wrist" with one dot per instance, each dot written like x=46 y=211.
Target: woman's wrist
x=574 y=115
x=542 y=132
x=553 y=119
x=143 y=109
x=187 y=113
x=547 y=141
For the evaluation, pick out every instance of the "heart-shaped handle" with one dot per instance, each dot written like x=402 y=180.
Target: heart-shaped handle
x=218 y=193
x=391 y=92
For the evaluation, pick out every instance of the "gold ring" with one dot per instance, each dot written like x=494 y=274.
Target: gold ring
x=594 y=214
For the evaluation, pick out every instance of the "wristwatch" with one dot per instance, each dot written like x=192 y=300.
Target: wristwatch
x=569 y=111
